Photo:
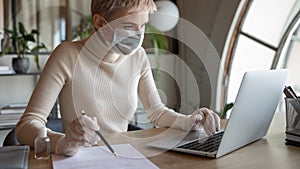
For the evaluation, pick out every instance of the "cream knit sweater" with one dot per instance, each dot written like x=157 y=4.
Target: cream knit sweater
x=105 y=85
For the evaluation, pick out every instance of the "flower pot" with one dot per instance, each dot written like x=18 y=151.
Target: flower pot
x=223 y=123
x=20 y=65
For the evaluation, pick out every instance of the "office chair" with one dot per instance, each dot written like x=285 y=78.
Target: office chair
x=132 y=127
x=11 y=139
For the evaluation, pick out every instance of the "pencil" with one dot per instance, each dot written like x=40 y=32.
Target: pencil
x=103 y=139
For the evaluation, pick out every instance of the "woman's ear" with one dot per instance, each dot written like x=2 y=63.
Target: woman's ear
x=98 y=21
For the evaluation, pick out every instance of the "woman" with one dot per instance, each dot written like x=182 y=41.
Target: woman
x=103 y=75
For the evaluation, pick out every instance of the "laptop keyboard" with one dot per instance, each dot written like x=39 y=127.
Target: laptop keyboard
x=209 y=144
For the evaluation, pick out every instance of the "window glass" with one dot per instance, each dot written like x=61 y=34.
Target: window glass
x=54 y=19
x=267 y=19
x=249 y=55
x=45 y=16
x=52 y=16
x=292 y=62
x=292 y=14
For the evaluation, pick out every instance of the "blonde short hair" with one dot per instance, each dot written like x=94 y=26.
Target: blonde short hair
x=107 y=8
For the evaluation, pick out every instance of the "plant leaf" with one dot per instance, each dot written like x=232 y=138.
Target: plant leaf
x=22 y=29
x=158 y=39
x=162 y=41
x=36 y=60
x=37 y=48
x=29 y=37
x=227 y=107
x=34 y=31
x=5 y=51
x=8 y=31
x=34 y=51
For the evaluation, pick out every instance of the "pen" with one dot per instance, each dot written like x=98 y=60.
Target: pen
x=106 y=143
x=103 y=139
x=289 y=93
x=292 y=91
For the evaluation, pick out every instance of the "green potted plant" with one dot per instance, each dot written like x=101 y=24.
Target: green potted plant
x=223 y=113
x=20 y=38
x=84 y=28
x=159 y=43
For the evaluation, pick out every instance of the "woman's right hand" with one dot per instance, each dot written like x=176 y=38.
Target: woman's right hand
x=80 y=133
x=206 y=118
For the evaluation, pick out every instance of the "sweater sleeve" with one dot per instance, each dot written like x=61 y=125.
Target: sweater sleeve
x=157 y=112
x=56 y=73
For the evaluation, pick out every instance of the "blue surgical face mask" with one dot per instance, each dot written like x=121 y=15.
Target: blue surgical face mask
x=127 y=42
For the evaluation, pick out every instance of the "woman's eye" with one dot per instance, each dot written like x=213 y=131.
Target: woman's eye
x=128 y=27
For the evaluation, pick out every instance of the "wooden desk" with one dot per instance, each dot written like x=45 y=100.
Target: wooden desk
x=268 y=153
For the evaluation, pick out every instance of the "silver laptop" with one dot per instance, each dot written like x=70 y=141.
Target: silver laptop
x=252 y=113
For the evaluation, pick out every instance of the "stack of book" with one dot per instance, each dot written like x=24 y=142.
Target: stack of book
x=15 y=108
x=10 y=114
x=5 y=70
x=9 y=120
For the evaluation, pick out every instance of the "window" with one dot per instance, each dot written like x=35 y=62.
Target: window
x=249 y=55
x=54 y=19
x=292 y=61
x=262 y=29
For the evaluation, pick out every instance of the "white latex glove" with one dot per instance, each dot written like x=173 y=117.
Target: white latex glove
x=80 y=133
x=206 y=118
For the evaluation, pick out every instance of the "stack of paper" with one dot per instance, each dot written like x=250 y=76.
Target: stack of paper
x=9 y=120
x=5 y=70
x=100 y=157
x=13 y=109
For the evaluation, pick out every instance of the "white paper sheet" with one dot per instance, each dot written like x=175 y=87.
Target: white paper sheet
x=101 y=157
